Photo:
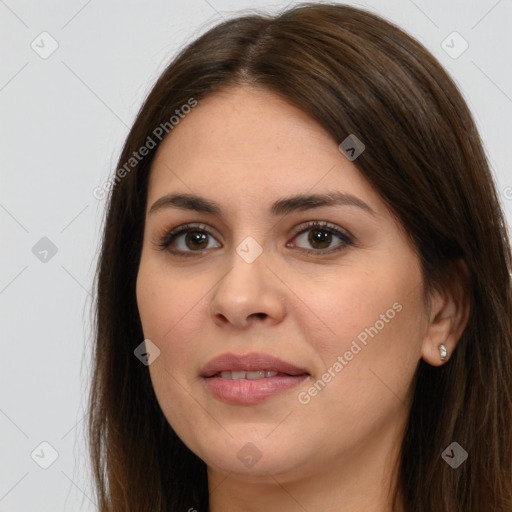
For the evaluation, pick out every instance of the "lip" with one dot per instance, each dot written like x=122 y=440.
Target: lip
x=249 y=362
x=245 y=391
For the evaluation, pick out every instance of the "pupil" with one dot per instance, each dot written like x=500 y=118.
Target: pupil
x=319 y=236
x=196 y=237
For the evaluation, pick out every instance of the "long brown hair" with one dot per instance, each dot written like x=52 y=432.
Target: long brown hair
x=355 y=73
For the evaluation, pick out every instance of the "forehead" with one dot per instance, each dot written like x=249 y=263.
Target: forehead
x=249 y=143
x=245 y=123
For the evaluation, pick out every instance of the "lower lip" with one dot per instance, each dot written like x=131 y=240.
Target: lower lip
x=251 y=391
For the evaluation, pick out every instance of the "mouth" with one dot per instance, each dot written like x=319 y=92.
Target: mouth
x=251 y=366
x=250 y=375
x=251 y=378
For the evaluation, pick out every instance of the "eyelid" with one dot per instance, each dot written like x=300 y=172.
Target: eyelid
x=328 y=226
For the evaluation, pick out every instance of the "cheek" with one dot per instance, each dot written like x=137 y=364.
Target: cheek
x=171 y=321
x=174 y=314
x=160 y=312
x=166 y=299
x=373 y=320
x=347 y=302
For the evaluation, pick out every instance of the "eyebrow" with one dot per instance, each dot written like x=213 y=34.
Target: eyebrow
x=280 y=207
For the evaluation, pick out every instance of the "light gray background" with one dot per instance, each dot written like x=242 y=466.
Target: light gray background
x=63 y=121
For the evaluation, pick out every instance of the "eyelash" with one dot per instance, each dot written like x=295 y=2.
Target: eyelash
x=165 y=240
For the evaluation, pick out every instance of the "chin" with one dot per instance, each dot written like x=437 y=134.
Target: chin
x=251 y=456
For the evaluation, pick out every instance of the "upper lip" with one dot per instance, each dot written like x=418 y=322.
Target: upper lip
x=249 y=362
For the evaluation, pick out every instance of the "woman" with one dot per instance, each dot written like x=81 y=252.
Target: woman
x=304 y=285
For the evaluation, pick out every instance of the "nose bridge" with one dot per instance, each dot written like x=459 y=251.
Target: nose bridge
x=248 y=288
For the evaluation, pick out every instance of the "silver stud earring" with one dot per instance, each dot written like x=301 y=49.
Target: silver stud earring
x=443 y=352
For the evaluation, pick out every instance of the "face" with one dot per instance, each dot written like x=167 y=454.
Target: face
x=332 y=289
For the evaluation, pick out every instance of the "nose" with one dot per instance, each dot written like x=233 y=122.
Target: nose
x=248 y=293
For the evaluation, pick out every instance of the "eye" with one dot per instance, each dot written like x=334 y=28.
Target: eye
x=194 y=238
x=320 y=236
x=189 y=236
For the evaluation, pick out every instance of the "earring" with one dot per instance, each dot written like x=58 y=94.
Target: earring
x=443 y=352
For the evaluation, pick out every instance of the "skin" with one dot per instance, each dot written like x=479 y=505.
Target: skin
x=245 y=148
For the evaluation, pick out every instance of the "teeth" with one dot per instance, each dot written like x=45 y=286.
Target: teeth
x=259 y=374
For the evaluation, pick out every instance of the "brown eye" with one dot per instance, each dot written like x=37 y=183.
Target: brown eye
x=187 y=240
x=321 y=237
x=196 y=240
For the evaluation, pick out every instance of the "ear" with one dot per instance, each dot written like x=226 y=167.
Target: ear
x=448 y=315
